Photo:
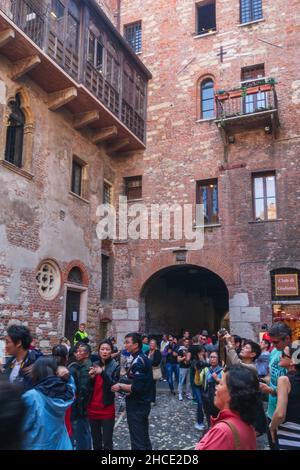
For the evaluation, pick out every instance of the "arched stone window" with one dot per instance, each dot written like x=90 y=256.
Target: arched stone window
x=15 y=133
x=207 y=99
x=75 y=276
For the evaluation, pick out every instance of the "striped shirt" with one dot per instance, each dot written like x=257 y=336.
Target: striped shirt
x=289 y=436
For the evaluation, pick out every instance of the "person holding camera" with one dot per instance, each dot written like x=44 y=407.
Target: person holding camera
x=138 y=388
x=248 y=355
x=209 y=378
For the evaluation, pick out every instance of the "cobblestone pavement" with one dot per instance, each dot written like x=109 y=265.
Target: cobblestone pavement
x=171 y=426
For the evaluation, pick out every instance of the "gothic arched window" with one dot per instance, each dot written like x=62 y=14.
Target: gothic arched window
x=15 y=133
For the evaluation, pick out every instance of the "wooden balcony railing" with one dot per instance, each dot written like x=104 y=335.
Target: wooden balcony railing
x=63 y=30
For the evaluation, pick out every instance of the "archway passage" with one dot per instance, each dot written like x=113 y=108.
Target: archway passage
x=184 y=297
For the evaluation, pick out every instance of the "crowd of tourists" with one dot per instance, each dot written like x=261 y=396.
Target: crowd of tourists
x=67 y=400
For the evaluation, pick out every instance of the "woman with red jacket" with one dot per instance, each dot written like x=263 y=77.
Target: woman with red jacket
x=101 y=409
x=237 y=398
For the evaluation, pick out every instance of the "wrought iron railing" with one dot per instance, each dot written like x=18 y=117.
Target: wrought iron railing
x=253 y=97
x=34 y=18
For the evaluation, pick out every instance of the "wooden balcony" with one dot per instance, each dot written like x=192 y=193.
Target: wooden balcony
x=252 y=106
x=74 y=53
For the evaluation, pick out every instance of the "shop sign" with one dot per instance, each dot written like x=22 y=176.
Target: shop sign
x=286 y=284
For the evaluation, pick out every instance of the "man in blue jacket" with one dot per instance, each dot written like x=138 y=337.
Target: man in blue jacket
x=138 y=391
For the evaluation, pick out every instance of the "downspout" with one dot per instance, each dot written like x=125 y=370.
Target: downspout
x=118 y=15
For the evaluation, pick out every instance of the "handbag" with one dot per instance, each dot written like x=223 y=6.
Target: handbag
x=157 y=375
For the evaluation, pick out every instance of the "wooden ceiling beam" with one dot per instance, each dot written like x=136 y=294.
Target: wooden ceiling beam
x=6 y=36
x=59 y=98
x=117 y=145
x=104 y=134
x=84 y=119
x=23 y=66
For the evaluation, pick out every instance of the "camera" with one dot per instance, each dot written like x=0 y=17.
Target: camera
x=200 y=365
x=222 y=332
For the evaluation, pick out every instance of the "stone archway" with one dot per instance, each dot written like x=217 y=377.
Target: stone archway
x=183 y=297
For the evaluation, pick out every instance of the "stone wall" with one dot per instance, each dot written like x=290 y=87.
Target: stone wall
x=41 y=219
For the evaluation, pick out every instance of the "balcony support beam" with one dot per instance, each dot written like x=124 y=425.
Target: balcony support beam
x=114 y=146
x=104 y=134
x=23 y=66
x=6 y=36
x=84 y=119
x=59 y=98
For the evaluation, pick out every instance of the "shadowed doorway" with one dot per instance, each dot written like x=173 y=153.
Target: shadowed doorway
x=184 y=297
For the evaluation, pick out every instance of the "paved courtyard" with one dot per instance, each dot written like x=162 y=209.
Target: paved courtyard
x=171 y=425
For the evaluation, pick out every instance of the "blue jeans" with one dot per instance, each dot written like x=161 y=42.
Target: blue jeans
x=172 y=369
x=197 y=393
x=81 y=434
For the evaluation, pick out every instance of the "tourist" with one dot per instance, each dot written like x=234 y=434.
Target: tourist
x=65 y=342
x=203 y=339
x=280 y=336
x=184 y=370
x=237 y=341
x=198 y=365
x=171 y=363
x=145 y=347
x=61 y=354
x=116 y=351
x=138 y=390
x=18 y=368
x=213 y=346
x=46 y=404
x=192 y=358
x=81 y=335
x=81 y=435
x=247 y=358
x=12 y=412
x=237 y=399
x=263 y=360
x=164 y=351
x=35 y=346
x=101 y=409
x=210 y=378
x=154 y=356
x=285 y=424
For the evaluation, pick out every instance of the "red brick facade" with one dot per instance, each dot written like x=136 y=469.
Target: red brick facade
x=182 y=149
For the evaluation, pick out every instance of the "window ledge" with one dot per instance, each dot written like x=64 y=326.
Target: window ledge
x=207 y=226
x=120 y=242
x=134 y=200
x=207 y=120
x=79 y=197
x=198 y=36
x=16 y=169
x=251 y=22
x=264 y=221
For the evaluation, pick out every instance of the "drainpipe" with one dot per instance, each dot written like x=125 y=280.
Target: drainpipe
x=118 y=15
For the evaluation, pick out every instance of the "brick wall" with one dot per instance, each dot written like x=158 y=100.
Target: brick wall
x=182 y=150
